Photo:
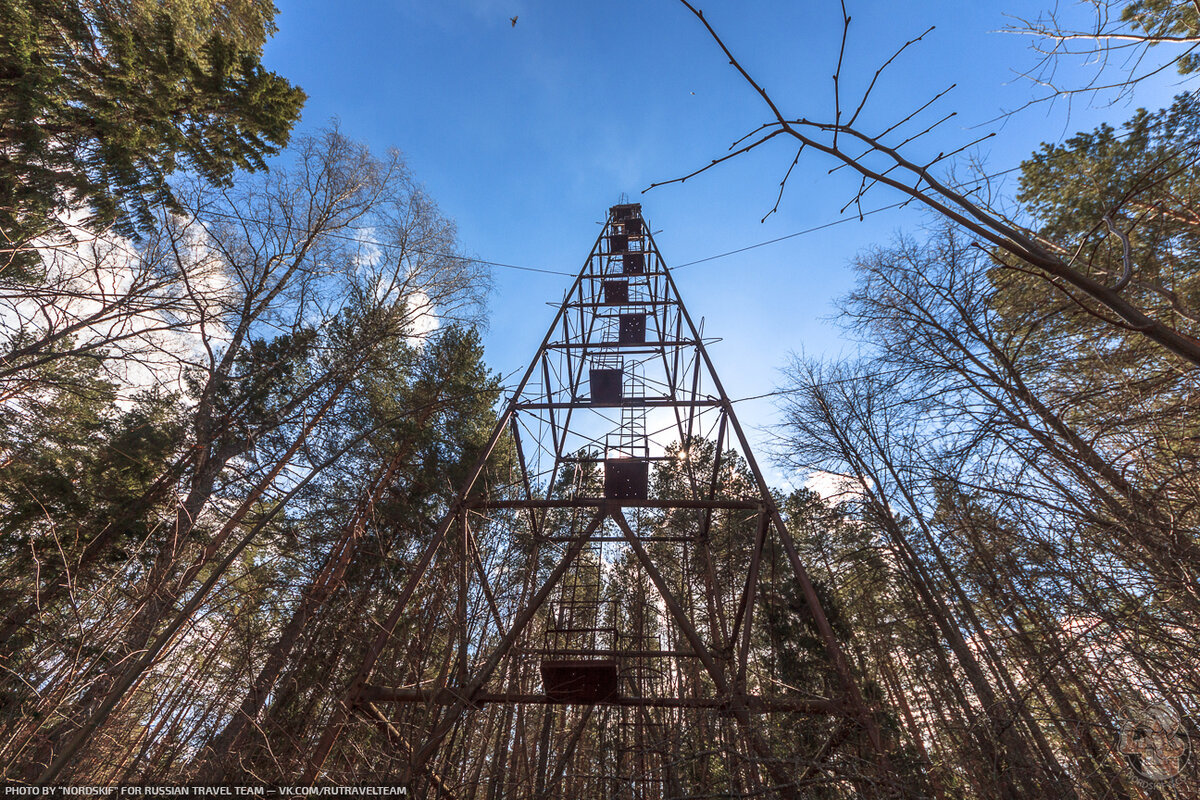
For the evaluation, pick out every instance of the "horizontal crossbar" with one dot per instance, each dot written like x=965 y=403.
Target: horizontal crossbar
x=600 y=502
x=448 y=697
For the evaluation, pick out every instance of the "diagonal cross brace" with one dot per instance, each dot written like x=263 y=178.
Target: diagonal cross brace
x=452 y=714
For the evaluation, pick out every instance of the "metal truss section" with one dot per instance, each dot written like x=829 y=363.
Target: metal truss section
x=601 y=600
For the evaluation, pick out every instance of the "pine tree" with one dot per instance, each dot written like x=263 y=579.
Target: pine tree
x=99 y=107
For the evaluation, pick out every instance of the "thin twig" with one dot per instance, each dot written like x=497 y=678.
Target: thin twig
x=783 y=183
x=879 y=71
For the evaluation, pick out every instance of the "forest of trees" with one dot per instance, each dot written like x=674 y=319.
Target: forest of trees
x=241 y=380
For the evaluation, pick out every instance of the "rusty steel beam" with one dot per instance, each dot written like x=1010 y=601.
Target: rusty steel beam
x=626 y=303
x=564 y=651
x=651 y=348
x=753 y=703
x=647 y=402
x=670 y=539
x=618 y=275
x=597 y=502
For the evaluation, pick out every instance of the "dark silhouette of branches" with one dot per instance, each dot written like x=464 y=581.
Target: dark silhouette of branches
x=879 y=162
x=1124 y=43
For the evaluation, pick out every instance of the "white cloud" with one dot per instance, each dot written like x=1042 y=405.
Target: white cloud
x=424 y=315
x=369 y=252
x=150 y=323
x=833 y=487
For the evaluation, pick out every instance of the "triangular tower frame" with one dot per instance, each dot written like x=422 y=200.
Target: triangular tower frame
x=621 y=385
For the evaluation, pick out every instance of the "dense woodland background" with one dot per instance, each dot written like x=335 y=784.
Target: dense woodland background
x=229 y=423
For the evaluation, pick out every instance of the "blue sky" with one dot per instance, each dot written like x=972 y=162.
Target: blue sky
x=526 y=133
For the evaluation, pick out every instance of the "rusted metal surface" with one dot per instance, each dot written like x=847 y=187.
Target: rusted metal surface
x=614 y=292
x=626 y=478
x=580 y=680
x=605 y=385
x=632 y=329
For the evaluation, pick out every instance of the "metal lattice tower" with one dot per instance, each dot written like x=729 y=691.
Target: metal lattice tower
x=639 y=525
